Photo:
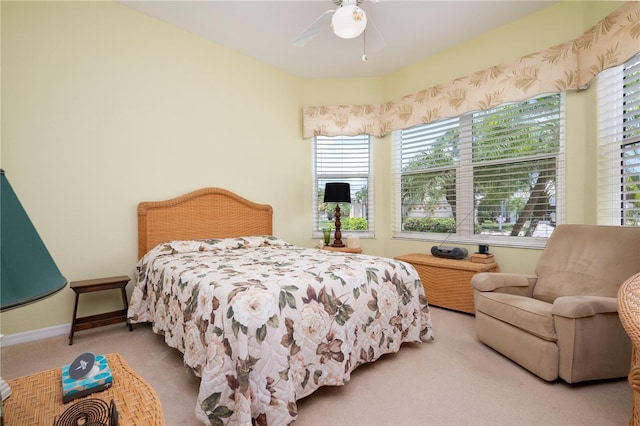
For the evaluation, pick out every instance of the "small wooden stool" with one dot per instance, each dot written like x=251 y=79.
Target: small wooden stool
x=98 y=320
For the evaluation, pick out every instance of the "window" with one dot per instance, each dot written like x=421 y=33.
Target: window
x=619 y=145
x=344 y=159
x=493 y=176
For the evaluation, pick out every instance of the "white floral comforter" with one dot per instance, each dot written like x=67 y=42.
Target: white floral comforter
x=265 y=323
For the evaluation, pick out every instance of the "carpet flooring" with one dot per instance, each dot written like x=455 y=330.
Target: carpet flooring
x=454 y=380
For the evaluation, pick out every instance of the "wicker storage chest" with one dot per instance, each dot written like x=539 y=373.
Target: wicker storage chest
x=447 y=282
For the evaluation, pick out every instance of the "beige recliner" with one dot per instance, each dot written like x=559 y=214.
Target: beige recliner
x=563 y=320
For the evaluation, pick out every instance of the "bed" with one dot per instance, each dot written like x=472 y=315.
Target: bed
x=264 y=323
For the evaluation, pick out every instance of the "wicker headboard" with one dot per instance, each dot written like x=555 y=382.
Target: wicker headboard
x=201 y=214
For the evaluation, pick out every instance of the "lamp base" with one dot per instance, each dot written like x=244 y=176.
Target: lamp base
x=338 y=243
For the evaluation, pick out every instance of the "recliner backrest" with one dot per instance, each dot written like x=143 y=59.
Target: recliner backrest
x=587 y=260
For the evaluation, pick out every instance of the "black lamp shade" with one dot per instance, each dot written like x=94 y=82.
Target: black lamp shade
x=337 y=192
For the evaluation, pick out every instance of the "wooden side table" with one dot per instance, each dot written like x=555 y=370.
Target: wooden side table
x=343 y=249
x=447 y=282
x=98 y=320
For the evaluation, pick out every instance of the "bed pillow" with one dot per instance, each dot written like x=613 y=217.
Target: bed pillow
x=186 y=246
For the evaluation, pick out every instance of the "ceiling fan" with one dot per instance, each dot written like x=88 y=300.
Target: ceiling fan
x=348 y=21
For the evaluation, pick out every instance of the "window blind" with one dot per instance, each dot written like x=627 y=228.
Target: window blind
x=493 y=174
x=619 y=145
x=344 y=159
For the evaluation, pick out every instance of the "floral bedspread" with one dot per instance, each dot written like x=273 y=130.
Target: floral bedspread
x=265 y=323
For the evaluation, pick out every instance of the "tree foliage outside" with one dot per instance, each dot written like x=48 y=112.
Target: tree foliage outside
x=631 y=208
x=631 y=151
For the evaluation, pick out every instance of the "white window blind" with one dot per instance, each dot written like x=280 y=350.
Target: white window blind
x=494 y=176
x=344 y=159
x=619 y=145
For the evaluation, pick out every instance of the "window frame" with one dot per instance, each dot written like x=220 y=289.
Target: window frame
x=465 y=192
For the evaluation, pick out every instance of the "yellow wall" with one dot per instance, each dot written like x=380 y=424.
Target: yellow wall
x=103 y=107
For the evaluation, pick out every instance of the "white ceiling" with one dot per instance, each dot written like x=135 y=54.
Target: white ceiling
x=264 y=30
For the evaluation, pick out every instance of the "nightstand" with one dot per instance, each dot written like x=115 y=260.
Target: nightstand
x=343 y=249
x=447 y=282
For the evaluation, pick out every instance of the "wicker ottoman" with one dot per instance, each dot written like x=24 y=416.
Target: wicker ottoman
x=37 y=399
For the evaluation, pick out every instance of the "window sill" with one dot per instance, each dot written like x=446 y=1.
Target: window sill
x=493 y=241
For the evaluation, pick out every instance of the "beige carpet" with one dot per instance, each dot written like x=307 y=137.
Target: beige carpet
x=453 y=381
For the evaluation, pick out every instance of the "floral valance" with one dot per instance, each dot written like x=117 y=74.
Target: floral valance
x=565 y=67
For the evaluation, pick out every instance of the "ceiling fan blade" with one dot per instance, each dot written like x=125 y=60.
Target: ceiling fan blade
x=374 y=40
x=318 y=25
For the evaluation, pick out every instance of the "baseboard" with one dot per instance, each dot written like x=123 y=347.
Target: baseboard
x=30 y=336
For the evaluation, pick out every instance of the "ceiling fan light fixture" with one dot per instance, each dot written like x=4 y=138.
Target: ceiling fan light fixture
x=349 y=21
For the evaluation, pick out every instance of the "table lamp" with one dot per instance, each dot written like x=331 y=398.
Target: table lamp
x=337 y=192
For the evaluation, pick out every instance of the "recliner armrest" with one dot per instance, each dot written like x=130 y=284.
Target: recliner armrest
x=490 y=281
x=584 y=306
